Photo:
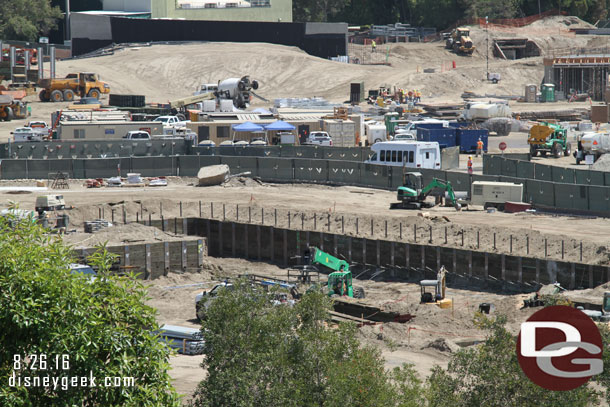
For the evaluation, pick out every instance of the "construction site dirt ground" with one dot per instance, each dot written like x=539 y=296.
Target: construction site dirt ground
x=428 y=339
x=347 y=208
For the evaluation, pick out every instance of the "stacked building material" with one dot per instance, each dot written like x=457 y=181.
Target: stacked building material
x=188 y=341
x=95 y=225
x=444 y=110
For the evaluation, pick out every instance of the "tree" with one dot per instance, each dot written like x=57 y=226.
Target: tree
x=490 y=375
x=260 y=354
x=102 y=326
x=26 y=19
x=316 y=10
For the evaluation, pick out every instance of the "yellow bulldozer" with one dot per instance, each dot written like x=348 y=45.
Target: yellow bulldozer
x=83 y=84
x=460 y=42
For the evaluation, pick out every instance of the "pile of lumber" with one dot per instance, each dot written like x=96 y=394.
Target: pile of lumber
x=188 y=341
x=561 y=115
x=444 y=110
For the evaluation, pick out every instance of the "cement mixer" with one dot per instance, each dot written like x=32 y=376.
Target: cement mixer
x=240 y=90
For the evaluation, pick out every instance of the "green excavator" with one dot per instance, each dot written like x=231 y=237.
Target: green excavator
x=340 y=280
x=412 y=195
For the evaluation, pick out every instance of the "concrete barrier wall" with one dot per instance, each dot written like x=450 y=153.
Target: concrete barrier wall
x=153 y=260
x=285 y=246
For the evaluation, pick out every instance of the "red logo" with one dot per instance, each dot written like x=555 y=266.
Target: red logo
x=559 y=348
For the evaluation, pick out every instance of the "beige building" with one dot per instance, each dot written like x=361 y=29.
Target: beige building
x=106 y=130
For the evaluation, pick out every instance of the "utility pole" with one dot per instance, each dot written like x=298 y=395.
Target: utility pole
x=68 y=33
x=487 y=32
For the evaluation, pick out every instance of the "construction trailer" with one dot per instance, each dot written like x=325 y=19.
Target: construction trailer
x=107 y=130
x=579 y=74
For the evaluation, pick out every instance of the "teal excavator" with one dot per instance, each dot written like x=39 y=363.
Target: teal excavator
x=340 y=280
x=412 y=195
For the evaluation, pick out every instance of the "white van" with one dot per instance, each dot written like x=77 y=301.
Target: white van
x=413 y=154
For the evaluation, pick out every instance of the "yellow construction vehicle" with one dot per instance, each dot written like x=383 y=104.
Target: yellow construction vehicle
x=460 y=42
x=83 y=84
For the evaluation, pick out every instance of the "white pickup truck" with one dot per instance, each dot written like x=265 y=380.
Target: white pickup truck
x=171 y=121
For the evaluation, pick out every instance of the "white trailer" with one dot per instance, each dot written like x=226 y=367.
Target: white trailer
x=411 y=154
x=375 y=132
x=495 y=194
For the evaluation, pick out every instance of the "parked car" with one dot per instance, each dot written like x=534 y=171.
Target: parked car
x=319 y=138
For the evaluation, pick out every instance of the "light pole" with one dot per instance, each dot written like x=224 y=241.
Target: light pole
x=487 y=32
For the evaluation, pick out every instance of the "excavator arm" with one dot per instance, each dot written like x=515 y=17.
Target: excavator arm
x=445 y=186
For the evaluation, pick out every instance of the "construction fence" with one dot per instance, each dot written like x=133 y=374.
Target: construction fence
x=542 y=193
x=59 y=149
x=510 y=167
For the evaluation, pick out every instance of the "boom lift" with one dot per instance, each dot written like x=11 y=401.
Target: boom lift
x=340 y=280
x=412 y=195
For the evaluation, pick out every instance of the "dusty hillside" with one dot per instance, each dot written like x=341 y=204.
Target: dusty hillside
x=165 y=72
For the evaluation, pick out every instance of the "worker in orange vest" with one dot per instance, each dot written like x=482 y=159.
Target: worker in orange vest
x=469 y=164
x=479 y=147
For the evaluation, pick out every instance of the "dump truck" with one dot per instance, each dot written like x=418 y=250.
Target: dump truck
x=412 y=195
x=340 y=280
x=460 y=42
x=83 y=84
x=12 y=109
x=549 y=138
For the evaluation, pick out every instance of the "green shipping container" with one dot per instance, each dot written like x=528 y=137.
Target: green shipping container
x=547 y=92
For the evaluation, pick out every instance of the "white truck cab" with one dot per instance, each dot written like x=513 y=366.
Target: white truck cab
x=411 y=154
x=206 y=88
x=319 y=138
x=137 y=135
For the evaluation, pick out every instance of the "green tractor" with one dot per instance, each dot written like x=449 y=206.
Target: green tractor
x=412 y=195
x=549 y=138
x=340 y=280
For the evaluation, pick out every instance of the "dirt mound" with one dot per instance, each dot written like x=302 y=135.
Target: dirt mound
x=442 y=345
x=242 y=182
x=561 y=21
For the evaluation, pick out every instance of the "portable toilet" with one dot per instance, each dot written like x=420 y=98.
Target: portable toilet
x=547 y=92
x=390 y=121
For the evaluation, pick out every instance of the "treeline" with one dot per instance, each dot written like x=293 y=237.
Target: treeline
x=440 y=14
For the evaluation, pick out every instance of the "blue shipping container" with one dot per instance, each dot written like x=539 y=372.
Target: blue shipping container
x=467 y=140
x=445 y=137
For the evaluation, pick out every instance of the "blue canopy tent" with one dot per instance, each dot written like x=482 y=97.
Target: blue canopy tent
x=279 y=126
x=247 y=127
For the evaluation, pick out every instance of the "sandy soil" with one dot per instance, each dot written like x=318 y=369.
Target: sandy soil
x=427 y=340
x=342 y=206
